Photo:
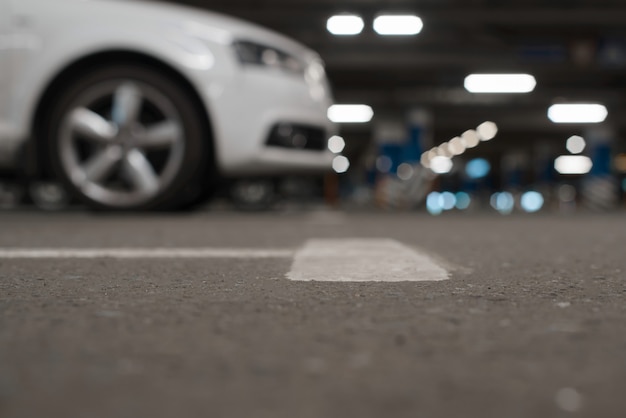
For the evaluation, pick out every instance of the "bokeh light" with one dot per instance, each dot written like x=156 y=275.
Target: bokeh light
x=384 y=164
x=405 y=171
x=487 y=131
x=470 y=138
x=341 y=164
x=463 y=200
x=441 y=165
x=336 y=144
x=503 y=202
x=456 y=146
x=532 y=201
x=573 y=164
x=575 y=144
x=448 y=200
x=434 y=203
x=477 y=168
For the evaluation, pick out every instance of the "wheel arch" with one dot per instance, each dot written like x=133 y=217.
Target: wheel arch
x=38 y=164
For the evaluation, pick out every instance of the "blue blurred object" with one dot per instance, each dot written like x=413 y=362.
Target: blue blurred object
x=477 y=168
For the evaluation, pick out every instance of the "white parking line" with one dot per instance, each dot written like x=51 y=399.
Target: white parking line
x=129 y=253
x=336 y=260
x=360 y=260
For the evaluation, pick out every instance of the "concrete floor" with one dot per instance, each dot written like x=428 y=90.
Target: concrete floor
x=531 y=323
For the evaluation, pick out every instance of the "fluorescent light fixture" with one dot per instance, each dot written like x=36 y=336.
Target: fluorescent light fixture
x=398 y=25
x=573 y=164
x=350 y=113
x=500 y=83
x=577 y=113
x=345 y=25
x=336 y=144
x=575 y=144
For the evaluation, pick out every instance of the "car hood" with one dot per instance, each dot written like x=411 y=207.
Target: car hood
x=204 y=22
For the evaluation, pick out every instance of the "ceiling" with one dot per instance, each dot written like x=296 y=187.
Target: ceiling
x=576 y=49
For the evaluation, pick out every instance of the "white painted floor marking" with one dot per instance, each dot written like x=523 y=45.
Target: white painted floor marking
x=363 y=260
x=130 y=253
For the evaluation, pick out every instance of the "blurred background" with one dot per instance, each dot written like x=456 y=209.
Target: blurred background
x=453 y=103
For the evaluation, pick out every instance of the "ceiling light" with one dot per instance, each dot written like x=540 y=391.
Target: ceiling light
x=350 y=113
x=575 y=144
x=345 y=25
x=577 y=113
x=573 y=164
x=398 y=25
x=500 y=83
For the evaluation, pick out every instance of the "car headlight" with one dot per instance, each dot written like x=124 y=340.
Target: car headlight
x=251 y=53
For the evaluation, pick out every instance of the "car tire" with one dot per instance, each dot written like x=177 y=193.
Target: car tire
x=127 y=138
x=254 y=194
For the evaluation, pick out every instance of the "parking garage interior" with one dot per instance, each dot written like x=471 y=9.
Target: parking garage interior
x=462 y=256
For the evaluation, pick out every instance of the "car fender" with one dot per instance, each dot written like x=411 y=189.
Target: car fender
x=206 y=64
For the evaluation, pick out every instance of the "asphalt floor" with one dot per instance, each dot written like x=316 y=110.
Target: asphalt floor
x=530 y=323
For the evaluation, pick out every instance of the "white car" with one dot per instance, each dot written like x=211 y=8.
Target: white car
x=137 y=106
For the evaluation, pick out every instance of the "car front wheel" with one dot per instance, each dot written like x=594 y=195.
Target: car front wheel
x=127 y=137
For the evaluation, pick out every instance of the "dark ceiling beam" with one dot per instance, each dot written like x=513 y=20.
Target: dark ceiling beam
x=459 y=96
x=417 y=59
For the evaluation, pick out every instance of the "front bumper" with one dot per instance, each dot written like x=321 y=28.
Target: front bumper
x=253 y=106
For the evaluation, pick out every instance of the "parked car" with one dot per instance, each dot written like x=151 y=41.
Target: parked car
x=134 y=105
